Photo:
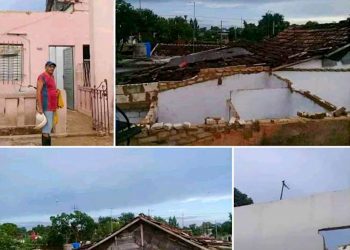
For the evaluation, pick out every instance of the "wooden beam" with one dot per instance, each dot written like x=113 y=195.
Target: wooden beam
x=142 y=244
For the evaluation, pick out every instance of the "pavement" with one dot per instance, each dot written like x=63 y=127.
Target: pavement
x=79 y=133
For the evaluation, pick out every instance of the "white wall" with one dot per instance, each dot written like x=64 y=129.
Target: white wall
x=290 y=224
x=255 y=96
x=317 y=64
x=334 y=87
x=56 y=55
x=196 y=102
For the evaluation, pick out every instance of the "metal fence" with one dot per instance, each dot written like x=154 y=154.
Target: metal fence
x=11 y=63
x=100 y=108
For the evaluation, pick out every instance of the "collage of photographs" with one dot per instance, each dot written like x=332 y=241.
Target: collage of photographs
x=174 y=124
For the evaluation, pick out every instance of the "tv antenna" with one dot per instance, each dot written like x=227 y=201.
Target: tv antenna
x=284 y=185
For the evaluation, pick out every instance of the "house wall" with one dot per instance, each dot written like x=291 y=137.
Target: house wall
x=290 y=224
x=329 y=85
x=154 y=239
x=195 y=103
x=102 y=46
x=38 y=32
x=317 y=64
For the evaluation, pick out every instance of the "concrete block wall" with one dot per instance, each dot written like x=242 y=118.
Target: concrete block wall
x=17 y=112
x=17 y=109
x=295 y=131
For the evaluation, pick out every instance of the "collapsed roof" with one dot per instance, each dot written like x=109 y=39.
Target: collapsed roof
x=295 y=44
x=201 y=243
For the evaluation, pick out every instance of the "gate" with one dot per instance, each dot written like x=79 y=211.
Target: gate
x=100 y=108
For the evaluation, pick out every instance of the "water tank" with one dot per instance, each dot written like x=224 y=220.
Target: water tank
x=148 y=49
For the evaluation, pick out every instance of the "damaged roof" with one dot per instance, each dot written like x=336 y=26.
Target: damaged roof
x=201 y=243
x=295 y=44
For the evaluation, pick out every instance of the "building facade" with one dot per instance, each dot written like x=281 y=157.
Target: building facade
x=63 y=34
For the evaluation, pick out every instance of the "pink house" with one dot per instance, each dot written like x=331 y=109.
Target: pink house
x=69 y=33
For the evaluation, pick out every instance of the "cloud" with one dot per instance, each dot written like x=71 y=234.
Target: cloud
x=208 y=199
x=40 y=182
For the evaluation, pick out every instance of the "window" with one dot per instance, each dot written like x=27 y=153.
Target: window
x=86 y=65
x=11 y=62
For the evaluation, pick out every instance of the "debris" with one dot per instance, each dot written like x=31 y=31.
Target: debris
x=157 y=126
x=340 y=112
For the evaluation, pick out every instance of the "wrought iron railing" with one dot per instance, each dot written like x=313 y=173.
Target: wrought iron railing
x=100 y=107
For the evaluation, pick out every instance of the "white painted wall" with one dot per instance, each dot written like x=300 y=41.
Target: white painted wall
x=331 y=86
x=196 y=102
x=317 y=64
x=290 y=224
x=255 y=96
x=56 y=55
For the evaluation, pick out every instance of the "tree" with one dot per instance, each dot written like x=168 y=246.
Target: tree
x=271 y=24
x=125 y=218
x=11 y=230
x=196 y=231
x=241 y=199
x=105 y=226
x=311 y=24
x=160 y=219
x=173 y=222
x=66 y=228
x=82 y=226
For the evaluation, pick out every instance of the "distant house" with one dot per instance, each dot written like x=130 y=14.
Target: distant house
x=146 y=233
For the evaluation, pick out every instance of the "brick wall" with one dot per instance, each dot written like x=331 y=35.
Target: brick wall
x=296 y=131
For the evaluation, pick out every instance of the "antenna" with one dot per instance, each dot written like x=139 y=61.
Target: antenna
x=284 y=185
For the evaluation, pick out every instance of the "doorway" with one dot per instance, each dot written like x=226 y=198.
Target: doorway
x=64 y=73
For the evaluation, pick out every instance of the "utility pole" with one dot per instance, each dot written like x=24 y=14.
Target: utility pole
x=273 y=28
x=216 y=230
x=284 y=185
x=194 y=24
x=140 y=4
x=221 y=36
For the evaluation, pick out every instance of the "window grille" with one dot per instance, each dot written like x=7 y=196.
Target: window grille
x=11 y=63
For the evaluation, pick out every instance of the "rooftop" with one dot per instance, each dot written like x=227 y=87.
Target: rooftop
x=295 y=44
x=204 y=243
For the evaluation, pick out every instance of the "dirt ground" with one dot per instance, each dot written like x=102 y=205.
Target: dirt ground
x=83 y=141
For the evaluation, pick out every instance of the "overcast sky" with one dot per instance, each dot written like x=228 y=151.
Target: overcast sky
x=37 y=183
x=259 y=172
x=32 y=5
x=307 y=171
x=211 y=12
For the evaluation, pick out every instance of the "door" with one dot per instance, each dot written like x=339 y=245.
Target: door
x=68 y=76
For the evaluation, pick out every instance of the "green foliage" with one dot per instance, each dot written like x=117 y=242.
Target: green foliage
x=106 y=226
x=73 y=227
x=241 y=199
x=173 y=222
x=155 y=29
x=196 y=231
x=160 y=219
x=125 y=218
